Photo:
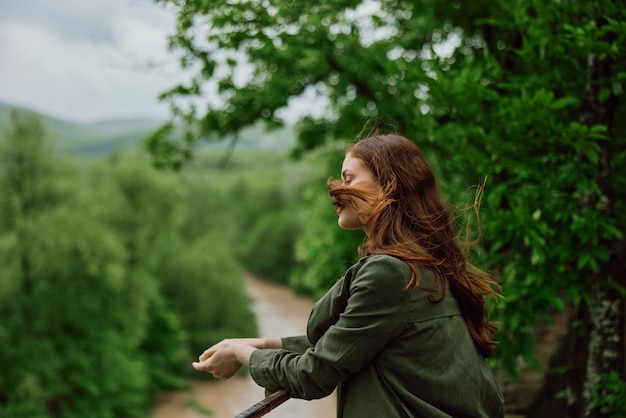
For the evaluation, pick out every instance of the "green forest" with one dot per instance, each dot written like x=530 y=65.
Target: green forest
x=117 y=269
x=116 y=274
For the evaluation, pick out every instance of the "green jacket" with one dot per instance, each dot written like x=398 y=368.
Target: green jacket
x=389 y=352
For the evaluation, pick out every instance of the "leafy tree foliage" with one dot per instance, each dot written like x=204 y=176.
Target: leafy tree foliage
x=67 y=343
x=528 y=94
x=254 y=200
x=94 y=267
x=205 y=276
x=269 y=232
x=173 y=242
x=269 y=249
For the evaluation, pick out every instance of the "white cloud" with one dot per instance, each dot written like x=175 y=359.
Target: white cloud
x=86 y=60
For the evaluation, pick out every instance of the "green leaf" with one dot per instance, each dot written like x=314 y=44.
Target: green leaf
x=604 y=94
x=564 y=102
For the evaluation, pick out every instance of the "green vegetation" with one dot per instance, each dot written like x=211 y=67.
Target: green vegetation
x=116 y=275
x=526 y=94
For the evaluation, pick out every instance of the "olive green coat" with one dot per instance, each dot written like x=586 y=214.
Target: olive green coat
x=389 y=352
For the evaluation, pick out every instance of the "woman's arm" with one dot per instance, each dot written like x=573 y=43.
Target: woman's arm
x=244 y=351
x=368 y=322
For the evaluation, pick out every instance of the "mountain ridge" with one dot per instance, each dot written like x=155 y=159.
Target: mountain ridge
x=93 y=139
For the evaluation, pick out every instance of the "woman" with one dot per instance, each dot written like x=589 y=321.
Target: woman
x=403 y=333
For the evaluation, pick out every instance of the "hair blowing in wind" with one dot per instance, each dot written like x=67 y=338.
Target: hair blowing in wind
x=411 y=221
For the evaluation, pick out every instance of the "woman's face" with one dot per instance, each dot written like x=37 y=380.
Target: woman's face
x=355 y=174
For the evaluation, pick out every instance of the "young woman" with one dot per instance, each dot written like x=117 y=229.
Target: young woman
x=403 y=333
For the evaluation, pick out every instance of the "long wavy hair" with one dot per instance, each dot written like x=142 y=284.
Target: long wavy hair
x=411 y=221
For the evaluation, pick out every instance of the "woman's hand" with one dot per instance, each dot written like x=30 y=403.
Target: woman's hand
x=221 y=360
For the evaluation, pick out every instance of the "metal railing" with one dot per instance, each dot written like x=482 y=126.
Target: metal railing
x=265 y=406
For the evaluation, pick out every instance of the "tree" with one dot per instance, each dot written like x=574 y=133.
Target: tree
x=527 y=94
x=27 y=181
x=66 y=346
x=178 y=267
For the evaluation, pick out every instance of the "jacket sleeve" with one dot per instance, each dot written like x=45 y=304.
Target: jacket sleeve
x=297 y=344
x=369 y=320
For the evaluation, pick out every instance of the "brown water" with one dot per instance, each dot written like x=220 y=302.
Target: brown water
x=279 y=313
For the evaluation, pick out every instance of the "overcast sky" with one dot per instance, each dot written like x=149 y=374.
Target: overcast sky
x=86 y=60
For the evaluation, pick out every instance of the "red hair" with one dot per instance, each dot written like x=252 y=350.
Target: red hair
x=411 y=221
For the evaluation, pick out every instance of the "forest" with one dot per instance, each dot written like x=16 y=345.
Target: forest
x=102 y=259
x=116 y=274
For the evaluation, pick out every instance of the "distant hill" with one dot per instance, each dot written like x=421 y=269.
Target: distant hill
x=89 y=139
x=100 y=138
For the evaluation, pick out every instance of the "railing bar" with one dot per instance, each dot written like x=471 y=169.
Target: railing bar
x=265 y=406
